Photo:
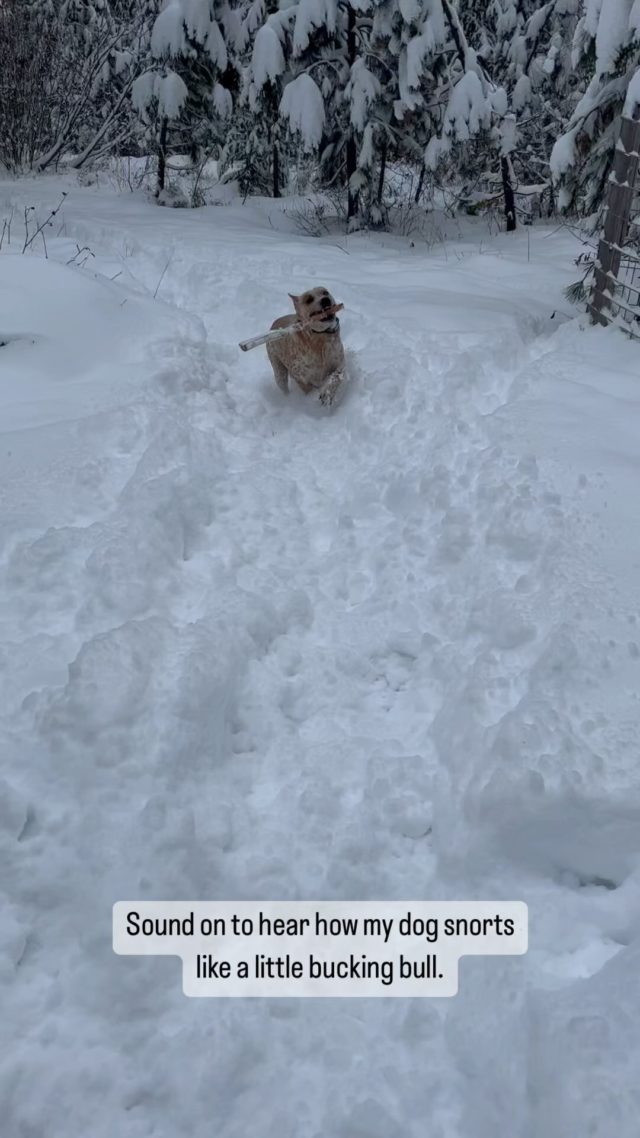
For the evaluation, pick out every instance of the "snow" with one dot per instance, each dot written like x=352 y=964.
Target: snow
x=612 y=33
x=498 y=101
x=508 y=134
x=216 y=46
x=366 y=155
x=66 y=334
x=268 y=57
x=302 y=104
x=468 y=108
x=222 y=101
x=197 y=18
x=254 y=650
x=592 y=13
x=507 y=20
x=632 y=100
x=172 y=94
x=563 y=154
x=167 y=37
x=143 y=91
x=312 y=14
x=634 y=17
x=537 y=22
x=418 y=49
x=169 y=90
x=551 y=60
x=409 y=97
x=434 y=26
x=435 y=149
x=522 y=93
x=410 y=10
x=362 y=90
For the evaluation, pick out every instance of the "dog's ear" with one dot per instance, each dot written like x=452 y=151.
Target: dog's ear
x=295 y=299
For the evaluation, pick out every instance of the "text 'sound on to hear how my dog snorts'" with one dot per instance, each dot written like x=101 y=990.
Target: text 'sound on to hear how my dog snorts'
x=320 y=948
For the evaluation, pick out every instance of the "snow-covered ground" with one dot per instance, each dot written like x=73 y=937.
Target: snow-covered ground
x=254 y=650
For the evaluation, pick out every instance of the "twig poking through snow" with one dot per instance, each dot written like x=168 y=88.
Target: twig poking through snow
x=162 y=276
x=6 y=229
x=79 y=251
x=39 y=231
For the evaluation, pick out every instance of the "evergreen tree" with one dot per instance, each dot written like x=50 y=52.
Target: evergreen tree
x=538 y=72
x=311 y=70
x=186 y=97
x=444 y=81
x=607 y=45
x=257 y=144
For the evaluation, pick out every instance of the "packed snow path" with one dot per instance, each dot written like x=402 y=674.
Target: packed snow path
x=253 y=650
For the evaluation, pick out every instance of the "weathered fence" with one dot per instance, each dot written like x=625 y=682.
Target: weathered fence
x=615 y=293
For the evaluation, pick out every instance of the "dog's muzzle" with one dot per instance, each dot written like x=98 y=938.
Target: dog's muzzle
x=329 y=323
x=330 y=326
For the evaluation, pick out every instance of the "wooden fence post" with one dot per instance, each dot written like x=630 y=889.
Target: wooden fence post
x=620 y=193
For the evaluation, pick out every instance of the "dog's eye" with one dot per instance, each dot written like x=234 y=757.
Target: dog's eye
x=308 y=300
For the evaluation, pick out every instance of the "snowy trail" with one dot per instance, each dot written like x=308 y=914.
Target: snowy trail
x=258 y=651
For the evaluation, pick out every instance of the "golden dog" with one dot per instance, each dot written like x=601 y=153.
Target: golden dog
x=314 y=356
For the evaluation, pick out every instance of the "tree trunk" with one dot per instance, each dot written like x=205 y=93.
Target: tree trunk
x=352 y=165
x=276 y=170
x=420 y=184
x=162 y=156
x=509 y=193
x=383 y=170
x=52 y=155
x=551 y=208
x=352 y=149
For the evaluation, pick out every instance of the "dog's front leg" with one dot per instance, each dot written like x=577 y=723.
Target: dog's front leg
x=331 y=387
x=281 y=375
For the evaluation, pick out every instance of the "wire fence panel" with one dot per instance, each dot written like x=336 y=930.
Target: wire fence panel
x=615 y=294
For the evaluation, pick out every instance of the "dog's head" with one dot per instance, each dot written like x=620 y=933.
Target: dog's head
x=312 y=305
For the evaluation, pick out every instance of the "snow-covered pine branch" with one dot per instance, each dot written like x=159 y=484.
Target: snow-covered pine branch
x=607 y=41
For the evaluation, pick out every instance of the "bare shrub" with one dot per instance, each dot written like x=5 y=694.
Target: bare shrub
x=130 y=173
x=309 y=216
x=60 y=88
x=29 y=47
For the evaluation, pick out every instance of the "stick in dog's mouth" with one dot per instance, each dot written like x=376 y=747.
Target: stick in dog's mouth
x=299 y=326
x=323 y=315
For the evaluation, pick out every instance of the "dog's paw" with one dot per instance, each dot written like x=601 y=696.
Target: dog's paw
x=331 y=396
x=327 y=398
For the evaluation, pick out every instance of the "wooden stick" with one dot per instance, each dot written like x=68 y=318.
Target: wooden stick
x=276 y=333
